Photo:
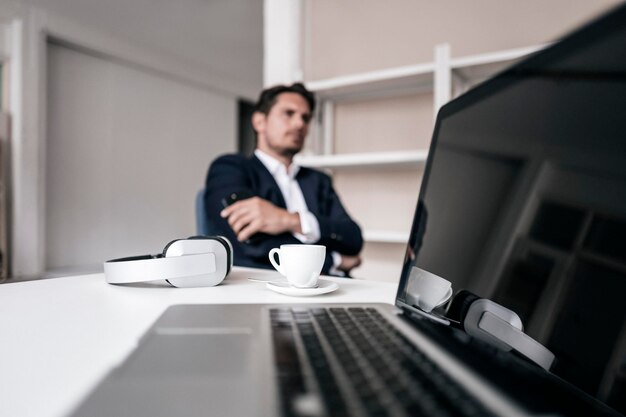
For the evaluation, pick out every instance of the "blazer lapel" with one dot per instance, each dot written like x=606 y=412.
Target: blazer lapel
x=307 y=184
x=267 y=180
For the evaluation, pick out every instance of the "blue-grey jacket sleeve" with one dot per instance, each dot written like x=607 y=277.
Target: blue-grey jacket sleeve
x=227 y=174
x=338 y=231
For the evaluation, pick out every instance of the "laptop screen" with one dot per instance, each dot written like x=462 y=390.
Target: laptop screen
x=524 y=202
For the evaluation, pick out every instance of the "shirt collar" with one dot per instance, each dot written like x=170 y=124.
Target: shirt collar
x=274 y=166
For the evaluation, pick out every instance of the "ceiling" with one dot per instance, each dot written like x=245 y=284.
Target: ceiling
x=222 y=37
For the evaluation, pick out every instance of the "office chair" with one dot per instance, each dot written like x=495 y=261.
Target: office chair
x=203 y=226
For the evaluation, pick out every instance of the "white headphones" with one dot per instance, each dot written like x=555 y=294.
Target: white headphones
x=497 y=325
x=199 y=261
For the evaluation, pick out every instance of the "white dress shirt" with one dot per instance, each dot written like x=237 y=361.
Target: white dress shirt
x=294 y=199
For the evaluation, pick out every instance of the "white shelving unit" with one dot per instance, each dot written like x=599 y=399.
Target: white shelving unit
x=412 y=77
x=471 y=70
x=359 y=160
x=385 y=236
x=446 y=77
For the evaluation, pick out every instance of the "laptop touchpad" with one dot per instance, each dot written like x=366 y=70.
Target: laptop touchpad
x=201 y=371
x=192 y=353
x=178 y=371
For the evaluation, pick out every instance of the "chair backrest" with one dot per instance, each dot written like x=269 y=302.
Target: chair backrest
x=202 y=219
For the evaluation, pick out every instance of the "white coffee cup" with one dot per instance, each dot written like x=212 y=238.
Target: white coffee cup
x=427 y=290
x=300 y=264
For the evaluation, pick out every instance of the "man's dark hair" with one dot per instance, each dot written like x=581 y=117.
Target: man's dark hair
x=268 y=97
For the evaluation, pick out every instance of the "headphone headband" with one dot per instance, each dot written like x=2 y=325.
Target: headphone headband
x=199 y=261
x=155 y=267
x=514 y=338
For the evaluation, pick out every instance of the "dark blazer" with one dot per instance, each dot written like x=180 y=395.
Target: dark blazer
x=237 y=173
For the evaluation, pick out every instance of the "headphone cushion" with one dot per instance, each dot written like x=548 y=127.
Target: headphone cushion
x=460 y=304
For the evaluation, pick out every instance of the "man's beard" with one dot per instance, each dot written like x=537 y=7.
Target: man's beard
x=288 y=151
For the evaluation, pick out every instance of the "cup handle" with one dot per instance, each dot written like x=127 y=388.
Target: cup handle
x=273 y=262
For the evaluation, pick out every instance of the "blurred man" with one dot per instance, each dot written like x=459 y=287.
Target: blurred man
x=267 y=200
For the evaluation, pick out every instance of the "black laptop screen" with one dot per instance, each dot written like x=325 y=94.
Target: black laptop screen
x=524 y=202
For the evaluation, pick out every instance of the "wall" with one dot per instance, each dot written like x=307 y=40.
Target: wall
x=352 y=36
x=121 y=88
x=127 y=151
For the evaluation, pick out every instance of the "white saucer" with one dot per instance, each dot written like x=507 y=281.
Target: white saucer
x=323 y=287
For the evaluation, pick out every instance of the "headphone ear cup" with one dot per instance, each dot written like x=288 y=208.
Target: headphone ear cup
x=227 y=245
x=170 y=243
x=459 y=306
x=217 y=266
x=490 y=322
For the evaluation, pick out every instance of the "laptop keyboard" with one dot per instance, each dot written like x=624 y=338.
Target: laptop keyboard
x=353 y=362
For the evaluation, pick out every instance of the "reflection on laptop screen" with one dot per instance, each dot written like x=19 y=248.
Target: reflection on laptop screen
x=524 y=202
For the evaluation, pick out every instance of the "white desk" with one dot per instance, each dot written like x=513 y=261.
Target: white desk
x=59 y=337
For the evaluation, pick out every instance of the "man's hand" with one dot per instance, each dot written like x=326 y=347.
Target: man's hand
x=253 y=215
x=349 y=262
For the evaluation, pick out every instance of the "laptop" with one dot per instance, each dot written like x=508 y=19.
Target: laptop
x=523 y=202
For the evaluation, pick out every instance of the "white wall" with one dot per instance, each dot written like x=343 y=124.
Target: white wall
x=165 y=76
x=127 y=150
x=354 y=36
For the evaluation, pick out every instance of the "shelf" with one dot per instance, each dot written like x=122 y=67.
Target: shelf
x=418 y=77
x=494 y=57
x=381 y=159
x=385 y=236
x=482 y=66
x=406 y=78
